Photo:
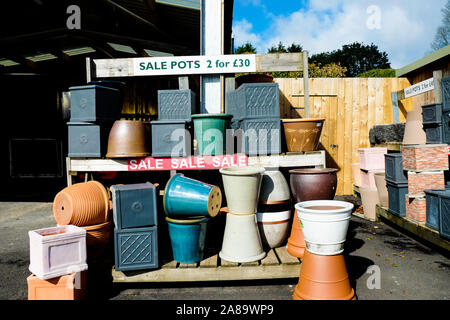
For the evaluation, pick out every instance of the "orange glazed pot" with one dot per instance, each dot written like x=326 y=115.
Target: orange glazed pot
x=323 y=278
x=296 y=243
x=82 y=204
x=127 y=138
x=302 y=134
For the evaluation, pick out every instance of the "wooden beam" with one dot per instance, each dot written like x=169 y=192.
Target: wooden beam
x=306 y=84
x=124 y=67
x=437 y=75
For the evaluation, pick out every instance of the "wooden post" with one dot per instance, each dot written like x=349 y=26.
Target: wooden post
x=90 y=70
x=230 y=85
x=306 y=84
x=437 y=75
x=211 y=44
x=395 y=107
x=183 y=83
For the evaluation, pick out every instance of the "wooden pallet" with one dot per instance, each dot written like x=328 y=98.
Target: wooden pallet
x=419 y=229
x=278 y=264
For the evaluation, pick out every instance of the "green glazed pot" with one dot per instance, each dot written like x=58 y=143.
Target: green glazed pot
x=210 y=132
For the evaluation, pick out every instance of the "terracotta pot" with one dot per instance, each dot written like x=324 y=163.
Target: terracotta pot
x=369 y=199
x=241 y=240
x=323 y=278
x=274 y=188
x=82 y=204
x=356 y=174
x=313 y=184
x=383 y=195
x=97 y=237
x=253 y=78
x=296 y=243
x=242 y=187
x=127 y=138
x=302 y=134
x=273 y=227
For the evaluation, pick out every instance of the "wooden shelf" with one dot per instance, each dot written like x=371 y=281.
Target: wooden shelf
x=278 y=264
x=308 y=159
x=418 y=229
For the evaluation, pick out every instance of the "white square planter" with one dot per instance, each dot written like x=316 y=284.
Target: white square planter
x=57 y=251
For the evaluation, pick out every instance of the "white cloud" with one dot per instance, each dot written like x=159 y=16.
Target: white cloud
x=407 y=27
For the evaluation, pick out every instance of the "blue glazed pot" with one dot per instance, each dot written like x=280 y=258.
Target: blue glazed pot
x=188 y=238
x=188 y=197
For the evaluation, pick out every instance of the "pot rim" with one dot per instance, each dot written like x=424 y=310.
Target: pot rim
x=211 y=115
x=167 y=187
x=303 y=206
x=314 y=171
x=96 y=226
x=303 y=120
x=188 y=220
x=241 y=171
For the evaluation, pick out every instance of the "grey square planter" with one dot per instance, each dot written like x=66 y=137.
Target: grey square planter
x=134 y=205
x=254 y=100
x=258 y=136
x=93 y=103
x=394 y=168
x=136 y=249
x=171 y=138
x=397 y=193
x=88 y=140
x=434 y=133
x=432 y=113
x=176 y=104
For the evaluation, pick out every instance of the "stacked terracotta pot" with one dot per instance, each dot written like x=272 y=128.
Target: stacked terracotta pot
x=86 y=205
x=242 y=241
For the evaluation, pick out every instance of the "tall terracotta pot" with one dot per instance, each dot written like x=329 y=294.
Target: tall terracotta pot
x=82 y=204
x=97 y=238
x=323 y=278
x=296 y=243
x=302 y=134
x=313 y=184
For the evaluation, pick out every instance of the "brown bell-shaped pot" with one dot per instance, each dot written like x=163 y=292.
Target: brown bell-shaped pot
x=97 y=237
x=82 y=204
x=313 y=184
x=296 y=243
x=127 y=138
x=302 y=134
x=323 y=278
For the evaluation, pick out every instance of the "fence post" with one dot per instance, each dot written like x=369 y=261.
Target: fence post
x=306 y=83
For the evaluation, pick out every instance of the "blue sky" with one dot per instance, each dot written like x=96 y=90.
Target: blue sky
x=402 y=28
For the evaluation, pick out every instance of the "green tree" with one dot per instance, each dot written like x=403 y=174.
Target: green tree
x=282 y=49
x=357 y=58
x=378 y=73
x=245 y=48
x=442 y=37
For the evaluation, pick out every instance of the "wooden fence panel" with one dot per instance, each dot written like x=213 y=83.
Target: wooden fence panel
x=351 y=106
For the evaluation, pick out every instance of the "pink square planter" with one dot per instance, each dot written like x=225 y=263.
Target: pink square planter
x=372 y=158
x=368 y=178
x=57 y=251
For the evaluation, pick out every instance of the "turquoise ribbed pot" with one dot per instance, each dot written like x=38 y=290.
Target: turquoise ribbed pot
x=187 y=237
x=210 y=132
x=188 y=197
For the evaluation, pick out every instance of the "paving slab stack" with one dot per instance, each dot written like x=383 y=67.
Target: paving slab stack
x=135 y=217
x=371 y=161
x=93 y=110
x=256 y=111
x=172 y=131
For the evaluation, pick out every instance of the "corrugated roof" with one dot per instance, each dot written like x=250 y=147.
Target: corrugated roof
x=433 y=57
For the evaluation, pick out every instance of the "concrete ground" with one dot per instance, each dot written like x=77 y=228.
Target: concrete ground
x=408 y=269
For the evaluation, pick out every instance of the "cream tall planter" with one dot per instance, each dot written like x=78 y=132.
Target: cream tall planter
x=383 y=195
x=241 y=239
x=242 y=186
x=274 y=188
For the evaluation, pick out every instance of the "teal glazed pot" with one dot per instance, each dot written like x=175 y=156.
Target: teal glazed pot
x=187 y=237
x=188 y=197
x=210 y=132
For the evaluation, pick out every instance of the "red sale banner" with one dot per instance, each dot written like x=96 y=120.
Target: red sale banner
x=187 y=163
